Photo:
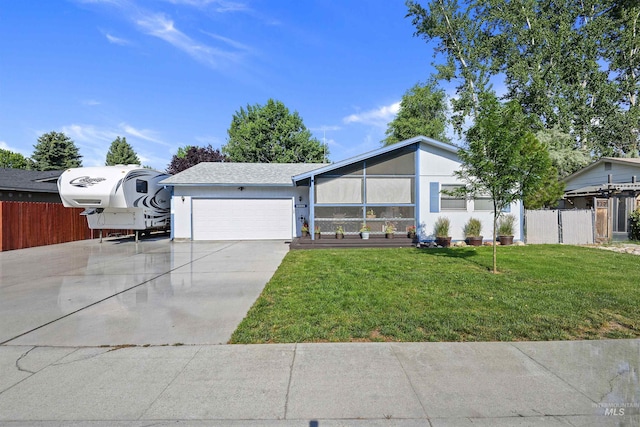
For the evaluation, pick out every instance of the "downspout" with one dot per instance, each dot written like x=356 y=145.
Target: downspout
x=417 y=205
x=312 y=201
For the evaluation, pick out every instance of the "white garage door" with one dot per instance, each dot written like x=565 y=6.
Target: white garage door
x=242 y=219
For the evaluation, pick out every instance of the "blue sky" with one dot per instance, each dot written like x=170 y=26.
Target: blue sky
x=170 y=73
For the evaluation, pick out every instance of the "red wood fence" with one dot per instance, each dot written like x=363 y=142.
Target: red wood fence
x=25 y=225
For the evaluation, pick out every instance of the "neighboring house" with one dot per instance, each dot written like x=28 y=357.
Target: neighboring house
x=397 y=185
x=610 y=187
x=19 y=185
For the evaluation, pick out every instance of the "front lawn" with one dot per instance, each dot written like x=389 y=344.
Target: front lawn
x=544 y=292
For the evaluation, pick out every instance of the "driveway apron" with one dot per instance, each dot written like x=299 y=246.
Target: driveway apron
x=119 y=292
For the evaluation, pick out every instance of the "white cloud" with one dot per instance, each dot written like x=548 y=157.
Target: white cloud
x=221 y=6
x=145 y=134
x=116 y=40
x=379 y=117
x=90 y=102
x=159 y=25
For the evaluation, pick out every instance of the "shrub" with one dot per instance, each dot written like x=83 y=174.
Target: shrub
x=505 y=225
x=472 y=228
x=634 y=222
x=441 y=227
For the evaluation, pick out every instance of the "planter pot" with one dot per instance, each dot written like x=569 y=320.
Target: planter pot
x=364 y=235
x=388 y=235
x=339 y=236
x=445 y=242
x=474 y=241
x=505 y=240
x=305 y=234
x=318 y=235
x=371 y=216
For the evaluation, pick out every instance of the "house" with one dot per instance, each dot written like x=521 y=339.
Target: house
x=19 y=185
x=399 y=185
x=610 y=187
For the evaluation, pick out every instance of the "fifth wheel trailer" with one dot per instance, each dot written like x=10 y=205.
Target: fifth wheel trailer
x=118 y=197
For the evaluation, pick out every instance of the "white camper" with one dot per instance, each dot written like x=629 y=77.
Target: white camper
x=118 y=197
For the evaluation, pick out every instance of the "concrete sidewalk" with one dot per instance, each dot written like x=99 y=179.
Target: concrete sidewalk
x=579 y=383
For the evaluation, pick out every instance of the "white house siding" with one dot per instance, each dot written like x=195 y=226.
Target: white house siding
x=437 y=166
x=183 y=209
x=598 y=175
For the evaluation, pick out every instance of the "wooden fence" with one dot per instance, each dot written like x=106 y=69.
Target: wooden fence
x=25 y=225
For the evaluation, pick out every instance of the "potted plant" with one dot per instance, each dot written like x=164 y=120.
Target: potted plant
x=389 y=229
x=371 y=213
x=364 y=231
x=472 y=230
x=317 y=232
x=305 y=229
x=339 y=232
x=411 y=232
x=441 y=230
x=505 y=229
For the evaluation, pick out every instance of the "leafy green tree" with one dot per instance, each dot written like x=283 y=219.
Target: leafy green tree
x=190 y=155
x=55 y=151
x=271 y=134
x=566 y=157
x=574 y=64
x=11 y=160
x=121 y=153
x=423 y=111
x=503 y=159
x=182 y=151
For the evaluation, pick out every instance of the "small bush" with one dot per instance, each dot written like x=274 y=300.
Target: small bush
x=634 y=220
x=472 y=228
x=505 y=225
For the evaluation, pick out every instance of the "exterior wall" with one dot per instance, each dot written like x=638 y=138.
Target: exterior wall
x=598 y=175
x=438 y=166
x=182 y=209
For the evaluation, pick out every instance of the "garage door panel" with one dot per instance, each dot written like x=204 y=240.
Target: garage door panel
x=242 y=219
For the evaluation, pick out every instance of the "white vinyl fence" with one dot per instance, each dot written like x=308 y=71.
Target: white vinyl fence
x=572 y=227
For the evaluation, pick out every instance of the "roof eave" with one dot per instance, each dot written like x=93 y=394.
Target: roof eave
x=377 y=152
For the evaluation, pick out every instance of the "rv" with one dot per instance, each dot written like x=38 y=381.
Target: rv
x=118 y=197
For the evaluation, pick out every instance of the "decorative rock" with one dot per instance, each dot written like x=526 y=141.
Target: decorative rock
x=518 y=243
x=460 y=244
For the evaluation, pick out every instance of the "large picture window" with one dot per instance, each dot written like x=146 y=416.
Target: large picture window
x=390 y=190
x=339 y=191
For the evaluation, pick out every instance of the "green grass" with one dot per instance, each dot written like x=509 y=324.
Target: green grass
x=543 y=292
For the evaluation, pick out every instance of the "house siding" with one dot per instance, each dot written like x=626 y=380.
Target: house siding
x=437 y=168
x=598 y=175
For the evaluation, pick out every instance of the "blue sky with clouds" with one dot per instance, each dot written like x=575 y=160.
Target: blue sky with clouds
x=169 y=73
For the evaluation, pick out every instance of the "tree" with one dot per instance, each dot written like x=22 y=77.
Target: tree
x=423 y=111
x=192 y=156
x=11 y=160
x=574 y=65
x=503 y=159
x=121 y=153
x=271 y=134
x=55 y=151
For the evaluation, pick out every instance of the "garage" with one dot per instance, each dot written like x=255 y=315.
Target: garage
x=242 y=219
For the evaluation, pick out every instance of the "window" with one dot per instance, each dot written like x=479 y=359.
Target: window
x=448 y=202
x=390 y=190
x=483 y=203
x=339 y=190
x=142 y=186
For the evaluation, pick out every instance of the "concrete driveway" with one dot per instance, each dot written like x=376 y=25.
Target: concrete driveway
x=118 y=292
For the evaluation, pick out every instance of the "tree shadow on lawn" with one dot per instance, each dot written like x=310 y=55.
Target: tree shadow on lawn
x=465 y=254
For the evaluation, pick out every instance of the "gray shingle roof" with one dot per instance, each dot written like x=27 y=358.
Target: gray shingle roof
x=27 y=180
x=247 y=174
